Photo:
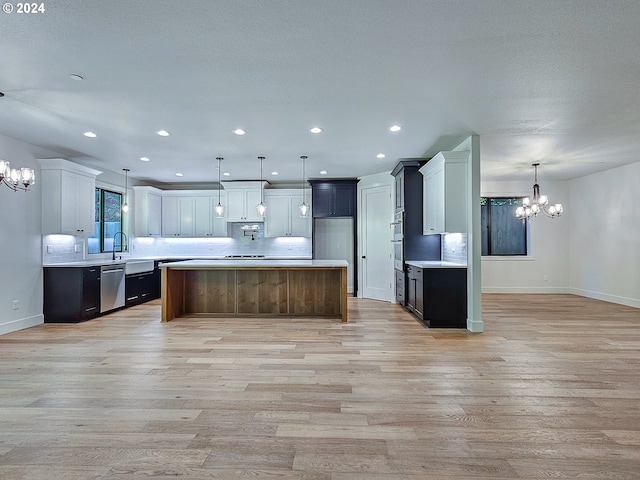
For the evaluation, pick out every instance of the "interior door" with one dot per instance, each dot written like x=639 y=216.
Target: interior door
x=376 y=256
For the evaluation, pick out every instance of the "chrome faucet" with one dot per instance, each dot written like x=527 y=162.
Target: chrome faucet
x=122 y=235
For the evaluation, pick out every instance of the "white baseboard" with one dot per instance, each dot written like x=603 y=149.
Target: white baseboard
x=629 y=302
x=476 y=326
x=21 y=324
x=525 y=290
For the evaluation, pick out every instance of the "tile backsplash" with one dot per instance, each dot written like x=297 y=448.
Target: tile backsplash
x=454 y=247
x=68 y=248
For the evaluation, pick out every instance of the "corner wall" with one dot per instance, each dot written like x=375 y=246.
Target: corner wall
x=605 y=236
x=20 y=244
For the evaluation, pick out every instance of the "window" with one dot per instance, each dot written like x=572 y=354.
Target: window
x=108 y=221
x=502 y=232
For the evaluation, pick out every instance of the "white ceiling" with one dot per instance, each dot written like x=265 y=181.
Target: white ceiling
x=555 y=82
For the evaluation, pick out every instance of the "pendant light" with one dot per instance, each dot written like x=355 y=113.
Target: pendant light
x=219 y=209
x=125 y=205
x=304 y=208
x=261 y=207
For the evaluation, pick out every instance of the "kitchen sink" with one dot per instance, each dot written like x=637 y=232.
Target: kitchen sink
x=133 y=267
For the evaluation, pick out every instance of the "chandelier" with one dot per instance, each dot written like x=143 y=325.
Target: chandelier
x=16 y=178
x=539 y=203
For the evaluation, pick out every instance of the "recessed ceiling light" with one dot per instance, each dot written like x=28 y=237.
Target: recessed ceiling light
x=163 y=133
x=315 y=130
x=395 y=128
x=179 y=174
x=90 y=134
x=274 y=173
x=145 y=159
x=323 y=172
x=76 y=77
x=380 y=155
x=239 y=131
x=226 y=174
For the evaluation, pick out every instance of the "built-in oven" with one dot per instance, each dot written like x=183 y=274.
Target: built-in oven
x=398 y=240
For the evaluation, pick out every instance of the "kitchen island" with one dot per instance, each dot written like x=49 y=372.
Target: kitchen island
x=254 y=287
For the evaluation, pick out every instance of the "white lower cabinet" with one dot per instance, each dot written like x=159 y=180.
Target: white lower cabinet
x=283 y=214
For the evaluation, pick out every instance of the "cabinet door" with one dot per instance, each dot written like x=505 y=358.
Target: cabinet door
x=278 y=216
x=187 y=221
x=90 y=292
x=323 y=201
x=252 y=199
x=77 y=215
x=433 y=208
x=299 y=226
x=399 y=185
x=344 y=200
x=219 y=224
x=235 y=205
x=170 y=216
x=154 y=214
x=203 y=217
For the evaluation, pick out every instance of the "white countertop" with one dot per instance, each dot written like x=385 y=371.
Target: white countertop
x=87 y=263
x=252 y=263
x=434 y=264
x=98 y=263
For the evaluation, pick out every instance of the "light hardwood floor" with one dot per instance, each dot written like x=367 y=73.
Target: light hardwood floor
x=551 y=389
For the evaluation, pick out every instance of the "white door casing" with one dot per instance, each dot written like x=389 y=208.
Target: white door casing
x=376 y=254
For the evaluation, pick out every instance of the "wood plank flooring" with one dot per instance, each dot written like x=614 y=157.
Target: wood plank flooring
x=551 y=389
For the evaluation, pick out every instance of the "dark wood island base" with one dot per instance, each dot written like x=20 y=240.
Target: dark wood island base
x=262 y=288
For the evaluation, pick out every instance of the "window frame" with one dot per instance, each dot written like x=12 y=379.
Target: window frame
x=527 y=238
x=99 y=207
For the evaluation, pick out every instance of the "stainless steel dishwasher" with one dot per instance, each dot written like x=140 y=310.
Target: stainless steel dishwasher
x=111 y=287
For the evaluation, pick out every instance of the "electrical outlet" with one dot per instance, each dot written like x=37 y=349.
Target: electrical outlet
x=16 y=305
x=211 y=246
x=546 y=278
x=77 y=248
x=49 y=248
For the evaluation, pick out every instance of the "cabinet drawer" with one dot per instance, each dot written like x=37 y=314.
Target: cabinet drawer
x=414 y=272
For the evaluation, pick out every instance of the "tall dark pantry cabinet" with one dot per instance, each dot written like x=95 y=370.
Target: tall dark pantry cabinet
x=408 y=210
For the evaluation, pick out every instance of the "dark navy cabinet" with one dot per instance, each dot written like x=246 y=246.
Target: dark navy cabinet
x=71 y=294
x=334 y=198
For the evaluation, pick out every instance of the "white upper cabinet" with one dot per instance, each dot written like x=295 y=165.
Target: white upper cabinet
x=445 y=193
x=283 y=214
x=242 y=199
x=206 y=223
x=147 y=203
x=68 y=197
x=190 y=213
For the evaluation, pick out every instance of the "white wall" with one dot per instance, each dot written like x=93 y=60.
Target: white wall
x=605 y=235
x=546 y=270
x=20 y=245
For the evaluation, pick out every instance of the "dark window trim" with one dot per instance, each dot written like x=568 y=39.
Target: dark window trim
x=486 y=200
x=102 y=191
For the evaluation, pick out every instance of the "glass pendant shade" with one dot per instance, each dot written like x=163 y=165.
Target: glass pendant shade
x=261 y=208
x=125 y=205
x=304 y=207
x=219 y=208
